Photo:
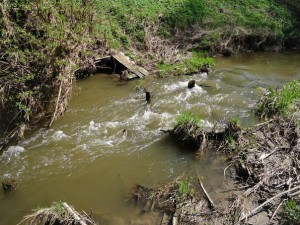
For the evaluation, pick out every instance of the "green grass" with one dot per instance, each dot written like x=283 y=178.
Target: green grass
x=186 y=128
x=124 y=21
x=185 y=190
x=46 y=37
x=193 y=64
x=291 y=212
x=187 y=118
x=284 y=101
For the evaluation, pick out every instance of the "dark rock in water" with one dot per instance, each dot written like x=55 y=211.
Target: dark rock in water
x=9 y=184
x=204 y=70
x=191 y=84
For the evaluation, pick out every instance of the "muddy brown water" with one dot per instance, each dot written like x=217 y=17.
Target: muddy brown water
x=89 y=161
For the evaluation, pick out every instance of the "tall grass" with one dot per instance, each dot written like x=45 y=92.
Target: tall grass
x=284 y=102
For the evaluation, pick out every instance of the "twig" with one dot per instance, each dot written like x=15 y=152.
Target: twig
x=256 y=125
x=212 y=205
x=278 y=207
x=74 y=214
x=266 y=202
x=56 y=105
x=294 y=194
x=266 y=156
x=226 y=169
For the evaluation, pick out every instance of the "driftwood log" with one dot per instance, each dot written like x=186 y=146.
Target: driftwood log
x=74 y=214
x=57 y=214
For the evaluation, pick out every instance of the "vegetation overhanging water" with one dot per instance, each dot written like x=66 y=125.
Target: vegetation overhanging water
x=87 y=159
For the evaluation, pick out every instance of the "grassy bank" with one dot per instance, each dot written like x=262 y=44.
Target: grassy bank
x=217 y=26
x=44 y=41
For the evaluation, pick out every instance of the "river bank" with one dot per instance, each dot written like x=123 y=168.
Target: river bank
x=263 y=163
x=85 y=149
x=110 y=144
x=43 y=53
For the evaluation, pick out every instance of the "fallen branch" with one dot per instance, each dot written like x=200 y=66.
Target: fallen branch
x=226 y=169
x=267 y=155
x=278 y=207
x=266 y=202
x=74 y=214
x=211 y=203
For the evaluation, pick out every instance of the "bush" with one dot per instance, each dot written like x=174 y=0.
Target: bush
x=42 y=43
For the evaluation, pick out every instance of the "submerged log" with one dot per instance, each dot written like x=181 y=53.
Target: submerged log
x=148 y=97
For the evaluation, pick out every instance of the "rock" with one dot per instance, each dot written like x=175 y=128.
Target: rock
x=9 y=184
x=191 y=84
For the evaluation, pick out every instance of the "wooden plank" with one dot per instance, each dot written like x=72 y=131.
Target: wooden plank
x=130 y=65
x=134 y=70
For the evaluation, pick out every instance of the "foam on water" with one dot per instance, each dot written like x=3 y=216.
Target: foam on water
x=11 y=153
x=59 y=135
x=176 y=86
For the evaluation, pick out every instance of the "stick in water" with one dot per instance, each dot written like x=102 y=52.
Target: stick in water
x=212 y=205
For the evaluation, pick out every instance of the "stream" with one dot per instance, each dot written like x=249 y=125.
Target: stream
x=109 y=139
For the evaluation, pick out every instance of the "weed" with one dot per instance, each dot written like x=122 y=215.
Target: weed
x=231 y=135
x=235 y=121
x=185 y=190
x=187 y=118
x=186 y=128
x=291 y=212
x=59 y=207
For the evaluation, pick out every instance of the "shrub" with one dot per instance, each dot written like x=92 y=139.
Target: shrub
x=42 y=43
